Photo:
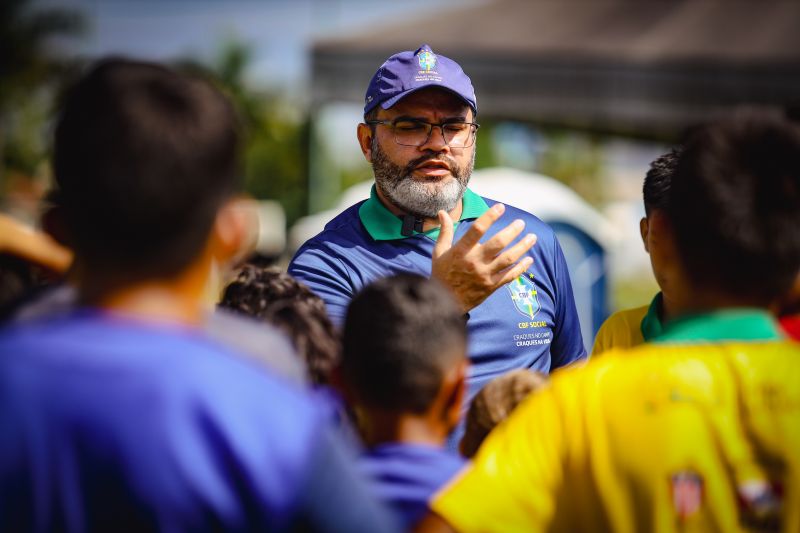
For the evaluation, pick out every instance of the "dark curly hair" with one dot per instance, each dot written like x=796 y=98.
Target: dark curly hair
x=275 y=297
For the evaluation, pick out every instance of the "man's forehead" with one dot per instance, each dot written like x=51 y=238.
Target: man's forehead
x=431 y=100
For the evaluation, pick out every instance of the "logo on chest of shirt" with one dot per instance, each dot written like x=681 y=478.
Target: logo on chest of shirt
x=687 y=493
x=524 y=295
x=526 y=301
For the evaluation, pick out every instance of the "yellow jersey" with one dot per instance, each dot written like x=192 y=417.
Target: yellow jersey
x=629 y=327
x=699 y=432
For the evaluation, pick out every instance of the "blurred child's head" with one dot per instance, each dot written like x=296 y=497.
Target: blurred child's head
x=735 y=208
x=494 y=403
x=144 y=159
x=404 y=350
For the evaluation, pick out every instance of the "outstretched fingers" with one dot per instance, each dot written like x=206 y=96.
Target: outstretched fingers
x=445 y=240
x=512 y=255
x=503 y=277
x=501 y=239
x=480 y=227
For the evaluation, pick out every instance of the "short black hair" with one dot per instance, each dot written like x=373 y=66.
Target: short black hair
x=658 y=180
x=143 y=159
x=400 y=336
x=735 y=204
x=276 y=297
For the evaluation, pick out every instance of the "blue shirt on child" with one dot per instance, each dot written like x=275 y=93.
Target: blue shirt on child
x=109 y=424
x=406 y=475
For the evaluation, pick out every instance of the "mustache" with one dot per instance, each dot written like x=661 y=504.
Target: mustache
x=454 y=167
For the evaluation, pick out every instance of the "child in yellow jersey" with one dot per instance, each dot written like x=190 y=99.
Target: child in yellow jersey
x=699 y=431
x=631 y=327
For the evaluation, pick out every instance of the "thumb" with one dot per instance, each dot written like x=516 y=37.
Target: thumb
x=445 y=240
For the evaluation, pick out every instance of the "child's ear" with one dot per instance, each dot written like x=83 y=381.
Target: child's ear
x=455 y=388
x=337 y=383
x=644 y=230
x=235 y=230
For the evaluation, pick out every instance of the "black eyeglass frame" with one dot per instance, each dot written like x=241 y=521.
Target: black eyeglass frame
x=440 y=125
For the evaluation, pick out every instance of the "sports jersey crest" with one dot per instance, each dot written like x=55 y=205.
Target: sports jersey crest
x=687 y=493
x=524 y=295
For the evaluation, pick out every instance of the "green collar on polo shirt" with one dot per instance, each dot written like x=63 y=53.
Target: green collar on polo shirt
x=383 y=225
x=745 y=324
x=651 y=323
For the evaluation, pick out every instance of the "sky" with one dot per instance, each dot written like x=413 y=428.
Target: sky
x=280 y=32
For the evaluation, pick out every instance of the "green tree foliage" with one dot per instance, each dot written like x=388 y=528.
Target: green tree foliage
x=576 y=159
x=30 y=69
x=276 y=145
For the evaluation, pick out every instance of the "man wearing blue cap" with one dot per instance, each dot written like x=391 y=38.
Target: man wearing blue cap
x=419 y=135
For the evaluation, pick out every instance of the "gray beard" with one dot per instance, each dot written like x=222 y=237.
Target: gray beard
x=416 y=197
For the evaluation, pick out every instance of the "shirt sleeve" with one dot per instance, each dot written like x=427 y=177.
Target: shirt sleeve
x=620 y=330
x=263 y=342
x=324 y=274
x=601 y=340
x=514 y=482
x=567 y=338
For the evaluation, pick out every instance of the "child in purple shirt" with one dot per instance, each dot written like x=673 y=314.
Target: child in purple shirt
x=404 y=367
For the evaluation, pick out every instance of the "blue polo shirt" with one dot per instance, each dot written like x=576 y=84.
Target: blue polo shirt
x=530 y=323
x=405 y=476
x=108 y=424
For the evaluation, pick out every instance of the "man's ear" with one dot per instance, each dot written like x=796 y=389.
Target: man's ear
x=235 y=231
x=644 y=229
x=365 y=134
x=454 y=387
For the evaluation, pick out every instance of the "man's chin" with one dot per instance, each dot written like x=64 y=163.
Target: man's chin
x=427 y=207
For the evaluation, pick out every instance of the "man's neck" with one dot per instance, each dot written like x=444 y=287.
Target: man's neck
x=427 y=222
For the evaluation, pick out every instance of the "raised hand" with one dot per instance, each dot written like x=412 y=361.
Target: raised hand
x=473 y=270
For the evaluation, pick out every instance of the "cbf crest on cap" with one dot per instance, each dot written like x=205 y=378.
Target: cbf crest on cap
x=406 y=72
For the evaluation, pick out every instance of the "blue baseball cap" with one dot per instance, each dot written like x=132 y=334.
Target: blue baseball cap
x=406 y=72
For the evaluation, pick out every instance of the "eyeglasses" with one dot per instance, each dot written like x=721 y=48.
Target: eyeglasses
x=417 y=132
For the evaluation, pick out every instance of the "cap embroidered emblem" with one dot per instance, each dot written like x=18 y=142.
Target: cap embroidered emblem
x=427 y=60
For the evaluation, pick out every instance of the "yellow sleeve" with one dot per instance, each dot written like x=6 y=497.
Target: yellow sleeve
x=620 y=330
x=512 y=484
x=603 y=340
